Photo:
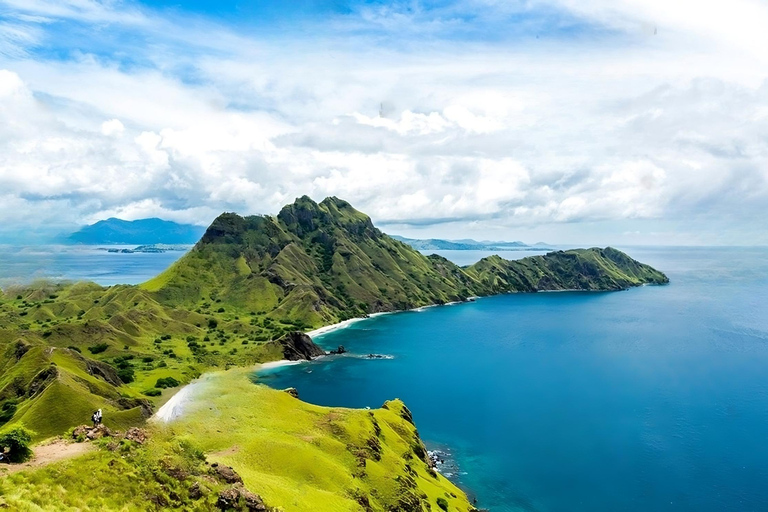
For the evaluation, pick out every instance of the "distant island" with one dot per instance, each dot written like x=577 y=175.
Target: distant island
x=436 y=244
x=151 y=248
x=136 y=232
x=246 y=293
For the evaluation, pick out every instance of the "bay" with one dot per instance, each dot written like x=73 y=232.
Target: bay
x=654 y=398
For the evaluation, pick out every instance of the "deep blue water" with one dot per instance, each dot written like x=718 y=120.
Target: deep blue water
x=21 y=265
x=654 y=398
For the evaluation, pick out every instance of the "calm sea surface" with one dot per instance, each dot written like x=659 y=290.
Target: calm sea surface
x=21 y=265
x=650 y=399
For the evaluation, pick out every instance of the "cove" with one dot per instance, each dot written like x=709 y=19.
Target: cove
x=654 y=398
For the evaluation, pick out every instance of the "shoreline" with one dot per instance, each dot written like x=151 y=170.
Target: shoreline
x=320 y=331
x=176 y=405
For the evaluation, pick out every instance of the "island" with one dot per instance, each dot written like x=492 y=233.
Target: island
x=245 y=294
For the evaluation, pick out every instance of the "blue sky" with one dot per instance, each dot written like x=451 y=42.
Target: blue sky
x=569 y=121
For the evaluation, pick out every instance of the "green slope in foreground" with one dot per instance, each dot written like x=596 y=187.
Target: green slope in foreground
x=67 y=349
x=296 y=456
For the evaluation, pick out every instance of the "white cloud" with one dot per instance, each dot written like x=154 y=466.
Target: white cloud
x=112 y=128
x=486 y=135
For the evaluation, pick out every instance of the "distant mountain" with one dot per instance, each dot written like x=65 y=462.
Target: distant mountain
x=143 y=231
x=436 y=244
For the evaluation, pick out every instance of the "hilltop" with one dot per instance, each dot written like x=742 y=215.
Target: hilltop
x=243 y=295
x=134 y=232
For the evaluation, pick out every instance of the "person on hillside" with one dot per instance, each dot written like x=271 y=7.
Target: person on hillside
x=98 y=416
x=94 y=418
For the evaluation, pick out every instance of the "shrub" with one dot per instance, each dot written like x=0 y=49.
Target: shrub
x=166 y=382
x=7 y=410
x=76 y=349
x=147 y=359
x=212 y=323
x=98 y=349
x=152 y=392
x=220 y=310
x=442 y=503
x=126 y=374
x=17 y=441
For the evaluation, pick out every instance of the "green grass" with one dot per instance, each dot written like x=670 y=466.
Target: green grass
x=296 y=456
x=249 y=281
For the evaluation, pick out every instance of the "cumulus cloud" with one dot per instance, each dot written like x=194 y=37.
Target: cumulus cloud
x=651 y=114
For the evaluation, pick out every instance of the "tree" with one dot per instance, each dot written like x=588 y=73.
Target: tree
x=16 y=441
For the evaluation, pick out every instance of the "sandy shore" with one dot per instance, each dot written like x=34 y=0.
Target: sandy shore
x=344 y=324
x=174 y=407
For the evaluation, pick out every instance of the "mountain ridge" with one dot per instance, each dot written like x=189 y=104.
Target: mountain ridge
x=114 y=231
x=243 y=295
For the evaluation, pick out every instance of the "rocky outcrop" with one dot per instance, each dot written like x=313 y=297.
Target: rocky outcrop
x=297 y=346
x=238 y=497
x=292 y=391
x=226 y=473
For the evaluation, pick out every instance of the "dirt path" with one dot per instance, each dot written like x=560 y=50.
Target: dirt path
x=48 y=453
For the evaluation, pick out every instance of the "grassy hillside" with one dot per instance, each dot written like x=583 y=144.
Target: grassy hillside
x=316 y=264
x=66 y=349
x=295 y=456
x=237 y=298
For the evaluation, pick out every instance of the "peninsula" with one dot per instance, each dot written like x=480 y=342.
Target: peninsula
x=244 y=295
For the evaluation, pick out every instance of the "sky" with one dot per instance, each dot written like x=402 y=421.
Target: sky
x=566 y=121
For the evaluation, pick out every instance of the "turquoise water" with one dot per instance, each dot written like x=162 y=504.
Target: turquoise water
x=654 y=398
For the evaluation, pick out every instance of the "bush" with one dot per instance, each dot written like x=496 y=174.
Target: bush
x=166 y=382
x=72 y=347
x=126 y=374
x=98 y=349
x=212 y=323
x=152 y=392
x=17 y=441
x=442 y=503
x=7 y=410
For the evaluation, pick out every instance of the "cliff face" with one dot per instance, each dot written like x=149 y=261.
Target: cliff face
x=318 y=263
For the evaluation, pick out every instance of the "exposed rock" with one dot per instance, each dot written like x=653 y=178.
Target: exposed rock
x=340 y=350
x=292 y=391
x=226 y=473
x=253 y=502
x=79 y=433
x=230 y=499
x=137 y=435
x=98 y=432
x=298 y=346
x=195 y=492
x=101 y=370
x=42 y=380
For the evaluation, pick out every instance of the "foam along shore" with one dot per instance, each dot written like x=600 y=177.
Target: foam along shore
x=184 y=397
x=175 y=407
x=343 y=325
x=277 y=364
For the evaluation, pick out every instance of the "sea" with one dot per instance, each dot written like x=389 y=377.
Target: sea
x=23 y=265
x=655 y=398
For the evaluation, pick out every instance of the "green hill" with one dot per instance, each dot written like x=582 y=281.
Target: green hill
x=315 y=264
x=238 y=298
